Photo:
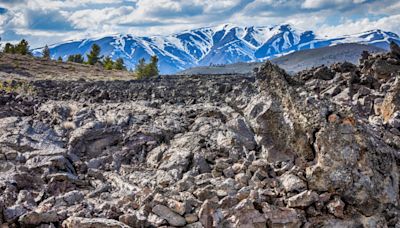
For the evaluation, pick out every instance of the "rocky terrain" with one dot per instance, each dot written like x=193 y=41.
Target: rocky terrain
x=319 y=149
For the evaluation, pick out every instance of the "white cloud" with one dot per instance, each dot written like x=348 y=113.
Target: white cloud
x=54 y=4
x=317 y=4
x=384 y=7
x=70 y=19
x=389 y=23
x=14 y=19
x=212 y=6
x=96 y=18
x=3 y=19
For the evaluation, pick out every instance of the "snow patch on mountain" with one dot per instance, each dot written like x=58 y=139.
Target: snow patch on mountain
x=221 y=44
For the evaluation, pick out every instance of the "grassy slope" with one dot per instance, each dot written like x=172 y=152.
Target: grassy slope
x=30 y=68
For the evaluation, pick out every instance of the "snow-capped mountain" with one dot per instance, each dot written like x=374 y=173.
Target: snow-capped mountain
x=214 y=45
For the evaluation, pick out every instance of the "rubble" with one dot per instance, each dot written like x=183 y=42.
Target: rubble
x=320 y=148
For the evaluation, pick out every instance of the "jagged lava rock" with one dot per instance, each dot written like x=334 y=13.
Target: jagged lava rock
x=320 y=148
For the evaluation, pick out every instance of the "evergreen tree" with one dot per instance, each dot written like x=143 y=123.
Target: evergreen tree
x=119 y=64
x=46 y=52
x=78 y=58
x=108 y=63
x=94 y=55
x=9 y=48
x=140 y=69
x=22 y=48
x=144 y=70
x=152 y=70
x=59 y=59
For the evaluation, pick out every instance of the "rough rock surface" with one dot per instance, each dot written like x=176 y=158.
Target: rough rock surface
x=319 y=149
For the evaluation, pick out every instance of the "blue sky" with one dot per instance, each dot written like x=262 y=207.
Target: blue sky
x=51 y=21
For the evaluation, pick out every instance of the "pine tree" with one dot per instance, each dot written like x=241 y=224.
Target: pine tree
x=78 y=58
x=9 y=48
x=140 y=69
x=94 y=55
x=153 y=67
x=46 y=52
x=119 y=64
x=144 y=70
x=59 y=59
x=108 y=64
x=22 y=48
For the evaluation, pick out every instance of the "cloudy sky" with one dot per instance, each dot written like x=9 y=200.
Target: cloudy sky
x=50 y=21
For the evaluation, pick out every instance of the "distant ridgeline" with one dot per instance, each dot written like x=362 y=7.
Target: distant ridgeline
x=223 y=44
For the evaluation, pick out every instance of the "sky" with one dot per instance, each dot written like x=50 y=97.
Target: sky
x=51 y=21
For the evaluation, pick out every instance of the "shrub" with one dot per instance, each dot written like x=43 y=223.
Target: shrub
x=16 y=87
x=119 y=64
x=9 y=48
x=108 y=64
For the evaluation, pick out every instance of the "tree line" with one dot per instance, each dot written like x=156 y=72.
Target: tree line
x=21 y=48
x=94 y=58
x=142 y=70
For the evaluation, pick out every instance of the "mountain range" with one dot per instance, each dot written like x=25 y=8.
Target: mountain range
x=224 y=44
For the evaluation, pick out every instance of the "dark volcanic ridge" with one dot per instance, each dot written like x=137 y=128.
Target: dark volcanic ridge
x=295 y=62
x=327 y=56
x=319 y=149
